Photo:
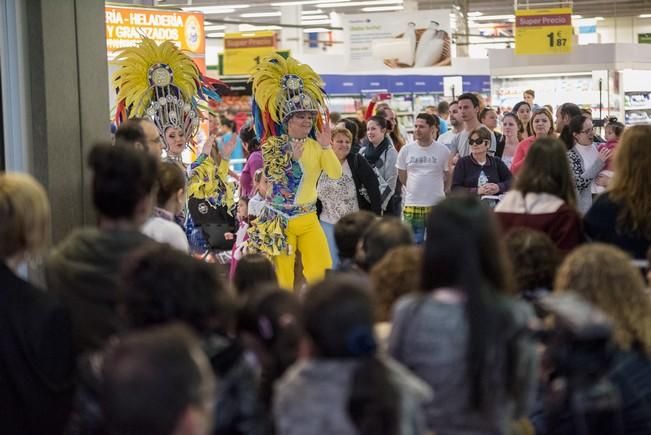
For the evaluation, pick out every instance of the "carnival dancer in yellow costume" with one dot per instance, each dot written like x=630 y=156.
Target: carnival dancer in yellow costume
x=291 y=120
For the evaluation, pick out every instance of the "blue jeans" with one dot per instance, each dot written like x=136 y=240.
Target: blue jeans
x=329 y=230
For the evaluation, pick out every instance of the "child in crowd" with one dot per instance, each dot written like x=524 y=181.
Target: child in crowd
x=260 y=187
x=240 y=236
x=614 y=130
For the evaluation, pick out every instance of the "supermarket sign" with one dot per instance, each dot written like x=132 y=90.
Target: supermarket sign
x=543 y=31
x=125 y=27
x=244 y=50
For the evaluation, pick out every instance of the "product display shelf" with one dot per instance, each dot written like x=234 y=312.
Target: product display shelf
x=637 y=107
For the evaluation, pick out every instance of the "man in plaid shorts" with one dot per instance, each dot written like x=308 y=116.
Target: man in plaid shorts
x=423 y=170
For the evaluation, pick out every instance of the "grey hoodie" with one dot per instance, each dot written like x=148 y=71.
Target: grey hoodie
x=83 y=270
x=310 y=399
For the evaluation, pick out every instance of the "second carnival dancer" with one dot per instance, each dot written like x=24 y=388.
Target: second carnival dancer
x=291 y=120
x=164 y=85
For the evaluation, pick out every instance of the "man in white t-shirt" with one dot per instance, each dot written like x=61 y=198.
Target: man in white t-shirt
x=423 y=170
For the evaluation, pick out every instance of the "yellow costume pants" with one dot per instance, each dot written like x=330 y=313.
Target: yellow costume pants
x=304 y=234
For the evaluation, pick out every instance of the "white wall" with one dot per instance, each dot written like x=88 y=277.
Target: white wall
x=623 y=29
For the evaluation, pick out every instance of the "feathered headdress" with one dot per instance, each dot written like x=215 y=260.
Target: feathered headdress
x=282 y=87
x=162 y=83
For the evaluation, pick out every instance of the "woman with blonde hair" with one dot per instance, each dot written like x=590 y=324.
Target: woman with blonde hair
x=36 y=348
x=622 y=215
x=540 y=125
x=606 y=277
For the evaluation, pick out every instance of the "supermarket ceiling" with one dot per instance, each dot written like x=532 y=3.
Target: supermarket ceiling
x=252 y=11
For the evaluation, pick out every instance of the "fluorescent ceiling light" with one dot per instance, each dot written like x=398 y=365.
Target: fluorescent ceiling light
x=383 y=8
x=316 y=30
x=599 y=18
x=306 y=2
x=315 y=22
x=213 y=27
x=250 y=27
x=577 y=17
x=315 y=17
x=223 y=9
x=475 y=14
x=645 y=16
x=493 y=17
x=364 y=3
x=261 y=14
x=215 y=35
x=314 y=12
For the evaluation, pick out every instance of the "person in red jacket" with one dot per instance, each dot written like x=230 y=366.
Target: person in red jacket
x=543 y=197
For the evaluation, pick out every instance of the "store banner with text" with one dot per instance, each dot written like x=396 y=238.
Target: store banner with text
x=244 y=50
x=543 y=31
x=398 y=39
x=125 y=27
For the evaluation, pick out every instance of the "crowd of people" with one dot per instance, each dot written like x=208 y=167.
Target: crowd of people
x=345 y=279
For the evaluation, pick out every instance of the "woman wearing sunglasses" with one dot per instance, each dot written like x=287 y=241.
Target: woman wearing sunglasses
x=479 y=172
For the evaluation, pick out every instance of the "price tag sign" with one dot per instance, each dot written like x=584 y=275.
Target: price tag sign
x=543 y=31
x=244 y=50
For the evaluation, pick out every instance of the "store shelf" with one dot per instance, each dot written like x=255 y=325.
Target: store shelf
x=628 y=109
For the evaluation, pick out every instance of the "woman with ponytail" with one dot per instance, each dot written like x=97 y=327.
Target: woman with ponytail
x=344 y=387
x=463 y=334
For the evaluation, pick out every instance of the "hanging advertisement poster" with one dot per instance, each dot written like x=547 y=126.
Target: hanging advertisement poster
x=543 y=31
x=244 y=50
x=125 y=27
x=398 y=39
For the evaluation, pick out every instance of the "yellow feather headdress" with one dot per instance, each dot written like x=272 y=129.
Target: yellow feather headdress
x=282 y=87
x=162 y=83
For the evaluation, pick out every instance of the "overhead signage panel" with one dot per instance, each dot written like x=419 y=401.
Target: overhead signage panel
x=543 y=31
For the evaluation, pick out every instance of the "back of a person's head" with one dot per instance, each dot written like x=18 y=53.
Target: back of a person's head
x=269 y=322
x=534 y=259
x=349 y=230
x=24 y=215
x=339 y=319
x=547 y=170
x=463 y=244
x=122 y=178
x=171 y=180
x=162 y=284
x=248 y=136
x=380 y=237
x=463 y=251
x=630 y=187
x=152 y=379
x=131 y=134
x=575 y=126
x=253 y=271
x=396 y=274
x=443 y=108
x=273 y=316
x=570 y=109
x=606 y=277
